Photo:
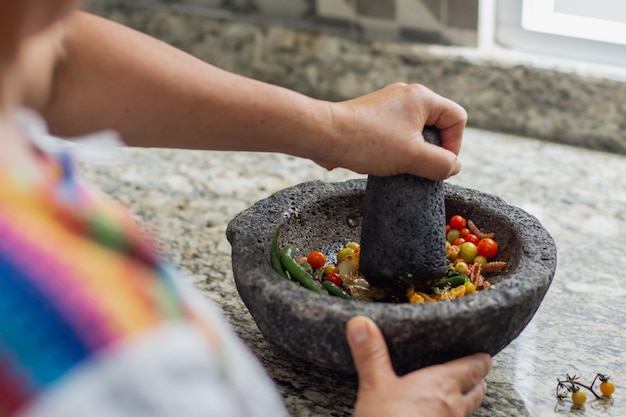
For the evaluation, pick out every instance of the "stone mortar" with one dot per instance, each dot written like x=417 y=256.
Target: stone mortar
x=325 y=216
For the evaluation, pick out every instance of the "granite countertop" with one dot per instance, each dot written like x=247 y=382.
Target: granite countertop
x=188 y=197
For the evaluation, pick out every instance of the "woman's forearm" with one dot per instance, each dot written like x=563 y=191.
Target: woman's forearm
x=156 y=95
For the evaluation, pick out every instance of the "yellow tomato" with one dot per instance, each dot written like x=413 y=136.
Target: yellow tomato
x=579 y=397
x=607 y=388
x=470 y=288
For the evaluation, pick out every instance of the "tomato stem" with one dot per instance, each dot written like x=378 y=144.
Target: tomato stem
x=574 y=385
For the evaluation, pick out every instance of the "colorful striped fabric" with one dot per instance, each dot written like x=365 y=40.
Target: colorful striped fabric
x=75 y=278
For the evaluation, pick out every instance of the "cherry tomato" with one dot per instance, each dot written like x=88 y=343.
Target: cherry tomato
x=316 y=259
x=468 y=252
x=458 y=241
x=334 y=278
x=447 y=228
x=461 y=267
x=452 y=235
x=458 y=222
x=579 y=397
x=472 y=238
x=607 y=388
x=470 y=288
x=479 y=259
x=329 y=269
x=341 y=255
x=464 y=232
x=487 y=248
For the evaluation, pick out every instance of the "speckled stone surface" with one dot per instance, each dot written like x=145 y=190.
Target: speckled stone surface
x=532 y=96
x=189 y=197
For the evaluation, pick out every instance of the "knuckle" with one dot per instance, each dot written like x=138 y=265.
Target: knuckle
x=418 y=89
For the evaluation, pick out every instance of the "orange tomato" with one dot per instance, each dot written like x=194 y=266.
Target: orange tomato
x=316 y=259
x=607 y=388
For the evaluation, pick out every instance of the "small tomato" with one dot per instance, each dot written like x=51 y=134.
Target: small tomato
x=458 y=222
x=579 y=397
x=334 y=278
x=607 y=388
x=316 y=259
x=487 y=248
x=472 y=238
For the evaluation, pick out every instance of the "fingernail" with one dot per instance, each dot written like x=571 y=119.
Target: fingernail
x=456 y=168
x=358 y=332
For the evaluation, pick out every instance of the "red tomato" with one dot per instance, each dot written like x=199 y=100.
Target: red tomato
x=464 y=232
x=472 y=238
x=335 y=278
x=448 y=228
x=458 y=222
x=487 y=248
x=458 y=241
x=316 y=259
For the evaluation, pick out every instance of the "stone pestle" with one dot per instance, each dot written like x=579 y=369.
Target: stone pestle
x=403 y=229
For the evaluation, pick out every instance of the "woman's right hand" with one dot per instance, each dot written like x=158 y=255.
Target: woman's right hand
x=381 y=133
x=453 y=389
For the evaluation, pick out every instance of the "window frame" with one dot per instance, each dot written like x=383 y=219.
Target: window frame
x=514 y=30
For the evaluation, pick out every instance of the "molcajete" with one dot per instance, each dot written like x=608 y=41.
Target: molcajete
x=325 y=216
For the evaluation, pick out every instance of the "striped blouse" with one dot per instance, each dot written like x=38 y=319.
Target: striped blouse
x=93 y=322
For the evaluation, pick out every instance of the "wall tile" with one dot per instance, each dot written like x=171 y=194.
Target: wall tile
x=376 y=28
x=414 y=14
x=381 y=9
x=446 y=22
x=463 y=14
x=435 y=6
x=291 y=8
x=338 y=9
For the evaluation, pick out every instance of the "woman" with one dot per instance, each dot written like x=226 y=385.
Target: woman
x=94 y=322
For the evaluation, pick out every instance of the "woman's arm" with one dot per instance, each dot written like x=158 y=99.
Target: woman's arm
x=156 y=95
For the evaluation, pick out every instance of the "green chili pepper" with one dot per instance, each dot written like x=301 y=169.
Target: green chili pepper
x=334 y=289
x=275 y=256
x=296 y=272
x=453 y=281
x=307 y=267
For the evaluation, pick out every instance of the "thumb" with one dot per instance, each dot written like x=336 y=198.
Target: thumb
x=369 y=350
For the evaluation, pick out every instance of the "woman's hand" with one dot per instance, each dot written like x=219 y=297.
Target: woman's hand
x=453 y=389
x=381 y=133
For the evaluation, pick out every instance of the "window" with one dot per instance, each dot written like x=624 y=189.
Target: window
x=592 y=31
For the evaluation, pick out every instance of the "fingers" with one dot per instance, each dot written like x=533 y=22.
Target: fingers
x=469 y=370
x=369 y=350
x=439 y=163
x=474 y=397
x=435 y=163
x=450 y=118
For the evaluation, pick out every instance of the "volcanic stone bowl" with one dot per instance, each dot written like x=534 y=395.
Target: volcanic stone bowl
x=325 y=216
